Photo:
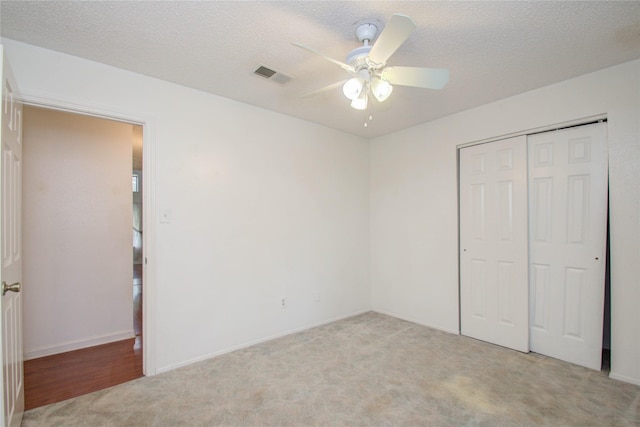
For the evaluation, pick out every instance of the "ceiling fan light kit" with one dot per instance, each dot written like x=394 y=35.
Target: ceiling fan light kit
x=368 y=64
x=352 y=88
x=381 y=89
x=360 y=103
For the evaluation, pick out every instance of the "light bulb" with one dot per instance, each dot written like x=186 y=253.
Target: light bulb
x=352 y=88
x=381 y=89
x=360 y=103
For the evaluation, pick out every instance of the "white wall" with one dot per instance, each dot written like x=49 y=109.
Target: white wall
x=77 y=265
x=263 y=206
x=414 y=231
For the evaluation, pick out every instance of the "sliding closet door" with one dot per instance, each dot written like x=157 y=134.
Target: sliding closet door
x=494 y=304
x=568 y=215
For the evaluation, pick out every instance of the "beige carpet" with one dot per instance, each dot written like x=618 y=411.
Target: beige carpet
x=369 y=370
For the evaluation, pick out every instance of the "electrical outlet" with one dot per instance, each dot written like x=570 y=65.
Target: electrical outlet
x=165 y=216
x=316 y=296
x=283 y=302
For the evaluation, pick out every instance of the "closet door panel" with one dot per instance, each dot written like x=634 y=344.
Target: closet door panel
x=568 y=183
x=493 y=243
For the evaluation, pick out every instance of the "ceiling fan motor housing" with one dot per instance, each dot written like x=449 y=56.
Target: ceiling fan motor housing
x=357 y=58
x=366 y=32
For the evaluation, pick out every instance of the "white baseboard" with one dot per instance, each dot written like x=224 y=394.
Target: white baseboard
x=419 y=322
x=258 y=341
x=624 y=378
x=293 y=331
x=77 y=345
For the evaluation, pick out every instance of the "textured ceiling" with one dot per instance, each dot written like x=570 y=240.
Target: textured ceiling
x=493 y=49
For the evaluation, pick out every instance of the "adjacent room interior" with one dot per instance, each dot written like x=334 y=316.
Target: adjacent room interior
x=82 y=195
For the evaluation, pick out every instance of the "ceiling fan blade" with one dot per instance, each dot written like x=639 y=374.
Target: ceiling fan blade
x=428 y=78
x=398 y=29
x=324 y=89
x=344 y=66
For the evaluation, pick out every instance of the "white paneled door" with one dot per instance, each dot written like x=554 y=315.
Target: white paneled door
x=494 y=300
x=568 y=216
x=11 y=242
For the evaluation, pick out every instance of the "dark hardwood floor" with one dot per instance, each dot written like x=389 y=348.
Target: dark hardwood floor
x=63 y=376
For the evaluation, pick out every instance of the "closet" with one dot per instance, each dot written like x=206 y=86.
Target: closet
x=533 y=213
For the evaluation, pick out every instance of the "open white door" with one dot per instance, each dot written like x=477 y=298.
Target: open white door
x=11 y=241
x=494 y=302
x=568 y=187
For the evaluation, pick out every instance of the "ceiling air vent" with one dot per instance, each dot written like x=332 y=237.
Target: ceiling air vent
x=273 y=75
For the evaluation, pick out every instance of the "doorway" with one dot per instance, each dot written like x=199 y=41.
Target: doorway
x=548 y=295
x=77 y=233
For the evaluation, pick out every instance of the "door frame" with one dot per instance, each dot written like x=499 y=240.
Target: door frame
x=148 y=124
x=547 y=128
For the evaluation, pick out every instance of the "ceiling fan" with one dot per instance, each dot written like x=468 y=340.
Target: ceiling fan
x=372 y=80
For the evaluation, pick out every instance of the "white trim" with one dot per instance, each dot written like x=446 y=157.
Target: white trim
x=149 y=212
x=77 y=345
x=416 y=321
x=149 y=248
x=72 y=106
x=258 y=341
x=624 y=378
x=569 y=123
